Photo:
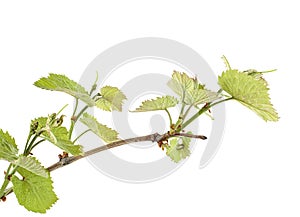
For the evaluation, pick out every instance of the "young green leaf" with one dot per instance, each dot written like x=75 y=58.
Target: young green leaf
x=62 y=83
x=249 y=91
x=181 y=82
x=59 y=137
x=200 y=96
x=39 y=123
x=69 y=147
x=105 y=133
x=8 y=147
x=32 y=165
x=111 y=98
x=34 y=192
x=160 y=103
x=179 y=148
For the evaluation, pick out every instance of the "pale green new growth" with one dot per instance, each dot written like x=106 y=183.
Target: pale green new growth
x=191 y=92
x=34 y=192
x=57 y=136
x=62 y=83
x=179 y=148
x=41 y=123
x=181 y=82
x=105 y=133
x=160 y=103
x=200 y=96
x=62 y=141
x=8 y=147
x=250 y=91
x=32 y=165
x=111 y=98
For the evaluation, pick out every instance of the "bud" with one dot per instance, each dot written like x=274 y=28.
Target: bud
x=58 y=122
x=33 y=127
x=51 y=118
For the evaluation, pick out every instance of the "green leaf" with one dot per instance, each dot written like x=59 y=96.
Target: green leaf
x=39 y=123
x=105 y=133
x=62 y=83
x=59 y=137
x=200 y=96
x=249 y=91
x=179 y=148
x=34 y=192
x=8 y=147
x=181 y=82
x=32 y=165
x=70 y=147
x=160 y=103
x=111 y=98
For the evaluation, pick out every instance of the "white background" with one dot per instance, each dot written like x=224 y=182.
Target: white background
x=256 y=171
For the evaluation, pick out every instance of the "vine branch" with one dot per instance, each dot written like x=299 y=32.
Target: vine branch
x=155 y=137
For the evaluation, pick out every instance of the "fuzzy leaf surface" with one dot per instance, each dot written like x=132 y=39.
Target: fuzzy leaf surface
x=32 y=165
x=181 y=82
x=58 y=82
x=249 y=91
x=59 y=137
x=179 y=148
x=200 y=96
x=105 y=133
x=34 y=192
x=8 y=147
x=111 y=98
x=160 y=103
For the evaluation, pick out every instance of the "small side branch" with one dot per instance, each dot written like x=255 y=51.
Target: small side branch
x=190 y=136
